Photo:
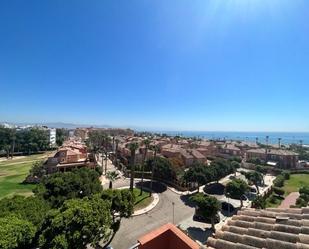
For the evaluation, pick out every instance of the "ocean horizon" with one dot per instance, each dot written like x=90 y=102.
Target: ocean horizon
x=286 y=137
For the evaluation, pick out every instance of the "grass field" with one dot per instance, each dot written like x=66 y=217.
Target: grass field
x=295 y=182
x=143 y=200
x=13 y=173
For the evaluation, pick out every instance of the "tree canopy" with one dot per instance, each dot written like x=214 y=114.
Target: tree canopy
x=76 y=223
x=60 y=187
x=202 y=174
x=26 y=140
x=30 y=208
x=208 y=206
x=61 y=136
x=236 y=189
x=163 y=168
x=122 y=201
x=15 y=233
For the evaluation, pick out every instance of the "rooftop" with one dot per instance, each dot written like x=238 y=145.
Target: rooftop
x=167 y=237
x=274 y=152
x=270 y=228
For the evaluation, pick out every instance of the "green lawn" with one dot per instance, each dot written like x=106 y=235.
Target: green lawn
x=143 y=200
x=295 y=182
x=12 y=174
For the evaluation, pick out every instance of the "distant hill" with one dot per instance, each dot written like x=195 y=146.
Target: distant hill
x=59 y=125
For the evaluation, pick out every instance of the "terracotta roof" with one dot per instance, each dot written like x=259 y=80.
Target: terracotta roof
x=273 y=228
x=231 y=147
x=197 y=154
x=273 y=152
x=167 y=237
x=186 y=154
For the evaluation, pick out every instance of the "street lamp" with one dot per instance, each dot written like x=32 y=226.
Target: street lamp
x=173 y=203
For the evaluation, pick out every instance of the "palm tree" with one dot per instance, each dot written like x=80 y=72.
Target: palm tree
x=107 y=141
x=132 y=147
x=116 y=152
x=112 y=176
x=146 y=142
x=156 y=149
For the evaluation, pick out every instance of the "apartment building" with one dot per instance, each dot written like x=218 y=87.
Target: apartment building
x=282 y=158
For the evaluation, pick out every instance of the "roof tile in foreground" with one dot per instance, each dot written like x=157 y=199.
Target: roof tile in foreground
x=272 y=228
x=167 y=237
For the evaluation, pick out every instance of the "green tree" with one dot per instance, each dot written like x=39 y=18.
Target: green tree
x=208 y=206
x=156 y=149
x=60 y=187
x=61 y=136
x=112 y=176
x=279 y=181
x=77 y=223
x=236 y=189
x=259 y=202
x=132 y=147
x=16 y=233
x=105 y=149
x=122 y=204
x=279 y=191
x=30 y=208
x=38 y=169
x=196 y=174
x=122 y=201
x=256 y=178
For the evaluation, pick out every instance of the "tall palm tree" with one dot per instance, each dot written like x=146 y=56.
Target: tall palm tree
x=156 y=149
x=132 y=147
x=107 y=141
x=116 y=152
x=112 y=176
x=146 y=142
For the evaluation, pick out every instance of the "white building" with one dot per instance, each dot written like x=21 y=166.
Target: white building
x=52 y=136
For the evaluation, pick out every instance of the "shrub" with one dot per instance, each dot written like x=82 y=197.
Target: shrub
x=278 y=191
x=259 y=202
x=304 y=190
x=286 y=175
x=279 y=181
x=272 y=199
x=300 y=202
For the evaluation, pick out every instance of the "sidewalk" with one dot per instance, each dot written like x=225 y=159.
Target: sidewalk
x=289 y=200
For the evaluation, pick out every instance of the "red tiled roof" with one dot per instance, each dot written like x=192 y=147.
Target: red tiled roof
x=167 y=237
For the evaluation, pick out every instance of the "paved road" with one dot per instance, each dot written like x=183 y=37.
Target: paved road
x=133 y=228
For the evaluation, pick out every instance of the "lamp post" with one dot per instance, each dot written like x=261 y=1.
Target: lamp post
x=173 y=203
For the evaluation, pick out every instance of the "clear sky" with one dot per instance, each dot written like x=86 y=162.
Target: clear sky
x=236 y=65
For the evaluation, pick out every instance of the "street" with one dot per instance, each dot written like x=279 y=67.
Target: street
x=133 y=228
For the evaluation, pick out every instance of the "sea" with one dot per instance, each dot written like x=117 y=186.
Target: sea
x=286 y=137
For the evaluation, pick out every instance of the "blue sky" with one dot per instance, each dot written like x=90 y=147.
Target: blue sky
x=235 y=65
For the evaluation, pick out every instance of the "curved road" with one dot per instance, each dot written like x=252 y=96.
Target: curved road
x=133 y=228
